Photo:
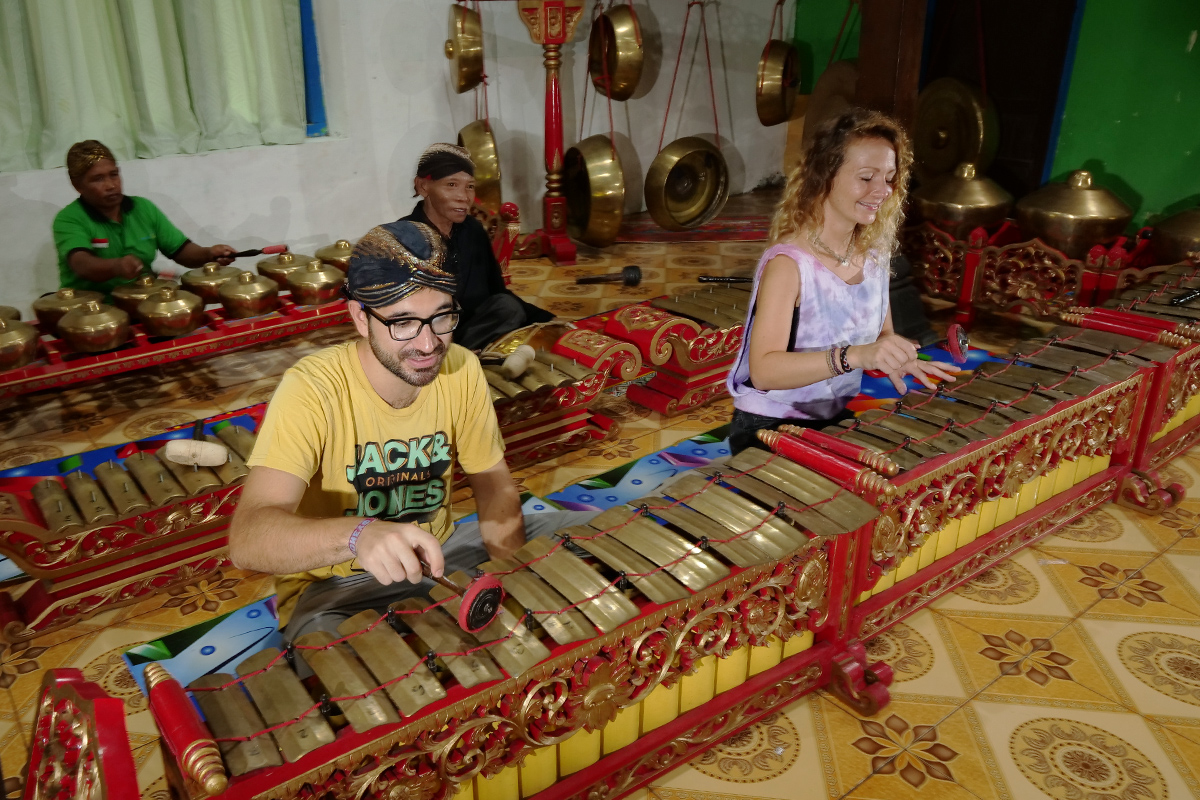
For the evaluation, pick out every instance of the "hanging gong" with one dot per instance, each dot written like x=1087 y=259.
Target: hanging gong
x=595 y=188
x=616 y=43
x=778 y=77
x=955 y=123
x=687 y=185
x=464 y=48
x=481 y=144
x=832 y=94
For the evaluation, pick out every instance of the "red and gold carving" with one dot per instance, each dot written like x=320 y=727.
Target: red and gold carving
x=601 y=353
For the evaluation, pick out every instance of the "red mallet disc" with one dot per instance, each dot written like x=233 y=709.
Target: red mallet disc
x=480 y=603
x=957 y=343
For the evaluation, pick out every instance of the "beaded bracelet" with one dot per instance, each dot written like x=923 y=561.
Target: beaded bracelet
x=845 y=362
x=830 y=361
x=352 y=545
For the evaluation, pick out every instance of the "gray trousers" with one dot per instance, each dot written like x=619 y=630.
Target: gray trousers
x=326 y=604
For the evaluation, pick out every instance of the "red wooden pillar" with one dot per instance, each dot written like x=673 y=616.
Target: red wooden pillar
x=551 y=24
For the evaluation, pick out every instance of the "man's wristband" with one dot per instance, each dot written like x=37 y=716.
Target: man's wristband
x=352 y=545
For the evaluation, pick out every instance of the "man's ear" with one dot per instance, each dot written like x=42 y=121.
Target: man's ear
x=418 y=186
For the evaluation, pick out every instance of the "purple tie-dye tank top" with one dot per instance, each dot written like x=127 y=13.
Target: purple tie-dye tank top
x=832 y=313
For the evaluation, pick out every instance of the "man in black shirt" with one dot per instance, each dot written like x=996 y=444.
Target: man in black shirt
x=446 y=183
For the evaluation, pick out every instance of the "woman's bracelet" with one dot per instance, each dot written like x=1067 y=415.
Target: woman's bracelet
x=831 y=361
x=845 y=362
x=352 y=545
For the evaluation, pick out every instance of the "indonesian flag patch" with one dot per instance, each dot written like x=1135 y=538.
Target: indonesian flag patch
x=99 y=243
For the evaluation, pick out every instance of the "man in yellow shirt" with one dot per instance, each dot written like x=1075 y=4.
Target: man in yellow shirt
x=349 y=487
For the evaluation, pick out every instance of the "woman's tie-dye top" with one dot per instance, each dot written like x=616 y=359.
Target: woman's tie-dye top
x=831 y=313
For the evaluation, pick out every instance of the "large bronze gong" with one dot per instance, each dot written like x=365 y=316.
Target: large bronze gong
x=595 y=188
x=464 y=48
x=616 y=43
x=778 y=77
x=481 y=144
x=832 y=94
x=955 y=123
x=687 y=185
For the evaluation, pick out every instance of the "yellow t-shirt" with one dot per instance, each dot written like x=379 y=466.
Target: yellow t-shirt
x=360 y=457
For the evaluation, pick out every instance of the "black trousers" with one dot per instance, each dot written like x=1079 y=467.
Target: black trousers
x=743 y=430
x=496 y=316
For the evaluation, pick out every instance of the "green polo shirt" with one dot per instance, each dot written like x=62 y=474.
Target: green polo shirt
x=142 y=230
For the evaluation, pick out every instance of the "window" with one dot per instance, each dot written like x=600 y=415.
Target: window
x=154 y=77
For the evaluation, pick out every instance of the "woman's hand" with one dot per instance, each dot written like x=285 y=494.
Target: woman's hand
x=924 y=372
x=889 y=353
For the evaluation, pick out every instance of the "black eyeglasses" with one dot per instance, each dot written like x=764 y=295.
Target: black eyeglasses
x=406 y=328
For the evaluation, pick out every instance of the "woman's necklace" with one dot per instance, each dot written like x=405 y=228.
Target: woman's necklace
x=826 y=250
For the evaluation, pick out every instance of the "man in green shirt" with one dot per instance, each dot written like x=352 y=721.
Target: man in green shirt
x=107 y=238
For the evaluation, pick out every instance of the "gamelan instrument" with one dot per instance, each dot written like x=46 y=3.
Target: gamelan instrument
x=630 y=275
x=690 y=599
x=778 y=75
x=464 y=48
x=594 y=185
x=480 y=142
x=955 y=123
x=725 y=279
x=1177 y=237
x=615 y=52
x=958 y=202
x=1074 y=216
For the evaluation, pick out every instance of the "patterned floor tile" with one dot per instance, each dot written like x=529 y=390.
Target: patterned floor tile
x=919 y=746
x=1181 y=743
x=918 y=656
x=1076 y=753
x=1109 y=526
x=1176 y=528
x=1116 y=584
x=1018 y=583
x=1030 y=659
x=767 y=760
x=1158 y=666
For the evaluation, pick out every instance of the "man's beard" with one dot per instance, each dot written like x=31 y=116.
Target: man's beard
x=394 y=363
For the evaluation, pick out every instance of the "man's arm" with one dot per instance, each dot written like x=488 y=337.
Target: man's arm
x=193 y=255
x=93 y=268
x=500 y=521
x=267 y=535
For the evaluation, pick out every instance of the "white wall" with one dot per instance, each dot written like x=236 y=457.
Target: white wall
x=388 y=96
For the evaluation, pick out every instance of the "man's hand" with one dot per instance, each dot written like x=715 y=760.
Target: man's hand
x=222 y=253
x=128 y=266
x=393 y=551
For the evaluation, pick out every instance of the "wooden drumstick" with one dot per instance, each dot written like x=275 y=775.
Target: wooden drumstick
x=629 y=276
x=196 y=451
x=481 y=600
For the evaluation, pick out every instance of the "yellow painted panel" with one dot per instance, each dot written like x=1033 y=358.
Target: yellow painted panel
x=1027 y=497
x=987 y=516
x=907 y=566
x=731 y=671
x=947 y=541
x=660 y=706
x=863 y=596
x=968 y=529
x=928 y=552
x=581 y=750
x=466 y=791
x=1100 y=463
x=699 y=687
x=1046 y=485
x=886 y=581
x=1159 y=435
x=1066 y=476
x=764 y=657
x=1006 y=510
x=798 y=644
x=540 y=771
x=621 y=731
x=1083 y=468
x=504 y=785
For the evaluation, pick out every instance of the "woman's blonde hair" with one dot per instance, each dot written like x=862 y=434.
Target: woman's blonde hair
x=802 y=208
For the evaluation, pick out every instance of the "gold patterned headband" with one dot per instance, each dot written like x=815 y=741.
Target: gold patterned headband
x=83 y=156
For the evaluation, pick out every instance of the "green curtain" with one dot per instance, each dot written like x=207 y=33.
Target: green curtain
x=147 y=77
x=165 y=122
x=246 y=70
x=20 y=110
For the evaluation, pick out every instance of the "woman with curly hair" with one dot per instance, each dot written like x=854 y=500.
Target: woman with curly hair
x=819 y=310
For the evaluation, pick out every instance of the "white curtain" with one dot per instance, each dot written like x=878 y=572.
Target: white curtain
x=147 y=77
